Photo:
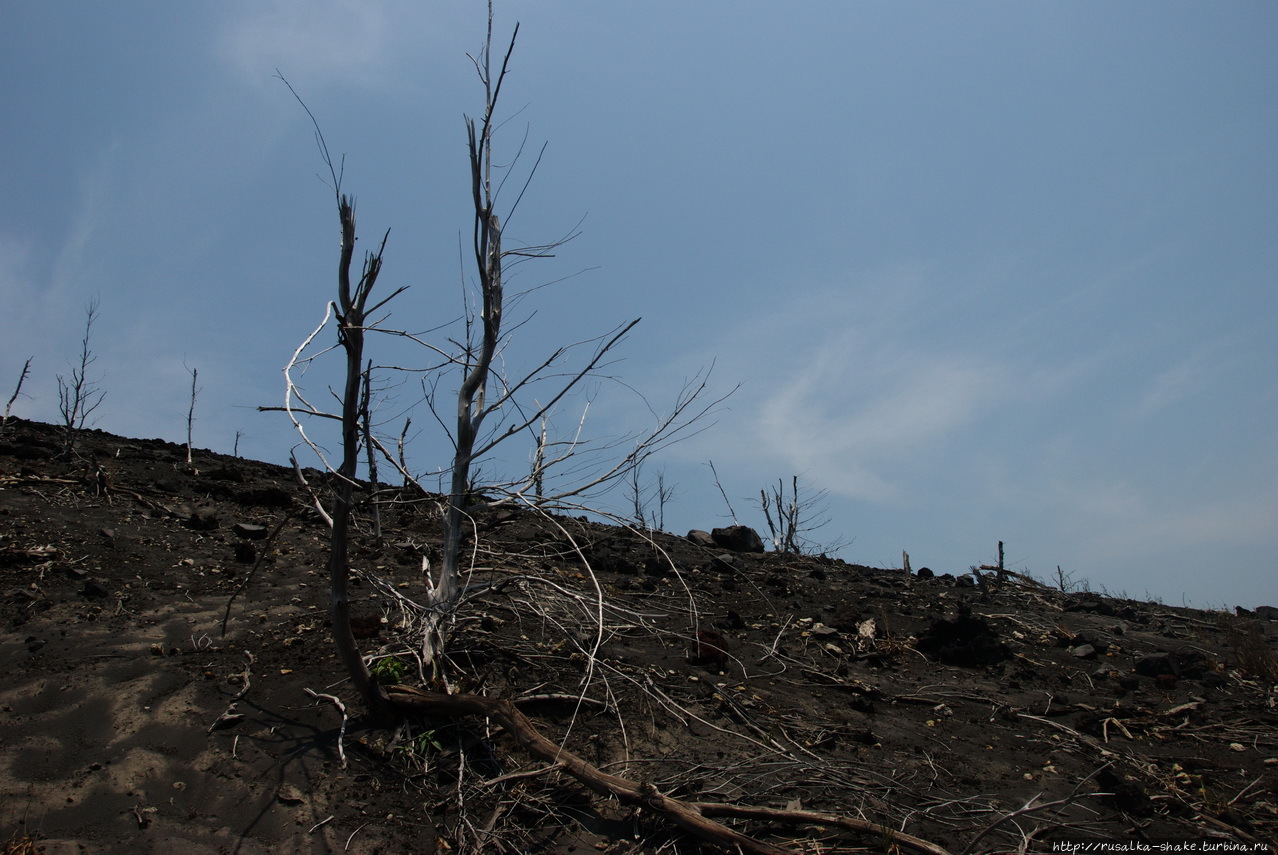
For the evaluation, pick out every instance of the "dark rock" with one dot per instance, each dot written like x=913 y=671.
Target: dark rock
x=710 y=650
x=723 y=563
x=731 y=620
x=1212 y=680
x=817 y=573
x=202 y=519
x=1126 y=795
x=1155 y=664
x=94 y=591
x=249 y=531
x=245 y=553
x=1192 y=664
x=701 y=538
x=925 y=573
x=862 y=704
x=655 y=565
x=966 y=641
x=1092 y=603
x=1267 y=612
x=621 y=564
x=738 y=538
x=29 y=451
x=1189 y=664
x=780 y=584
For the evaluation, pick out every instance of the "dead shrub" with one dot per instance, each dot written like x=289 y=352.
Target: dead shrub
x=1253 y=655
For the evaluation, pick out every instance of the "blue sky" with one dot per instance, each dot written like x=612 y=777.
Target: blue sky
x=984 y=271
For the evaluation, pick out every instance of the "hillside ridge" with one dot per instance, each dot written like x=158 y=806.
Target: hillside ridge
x=993 y=718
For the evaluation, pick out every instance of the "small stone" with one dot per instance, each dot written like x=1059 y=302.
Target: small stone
x=701 y=538
x=249 y=531
x=1084 y=651
x=290 y=795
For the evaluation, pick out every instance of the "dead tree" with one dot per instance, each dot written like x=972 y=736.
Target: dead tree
x=484 y=392
x=792 y=519
x=190 y=414
x=78 y=395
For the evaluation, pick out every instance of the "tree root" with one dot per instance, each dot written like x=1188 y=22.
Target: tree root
x=696 y=818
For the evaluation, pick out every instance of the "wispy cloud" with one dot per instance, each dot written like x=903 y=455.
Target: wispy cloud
x=323 y=42
x=849 y=387
x=854 y=418
x=1190 y=375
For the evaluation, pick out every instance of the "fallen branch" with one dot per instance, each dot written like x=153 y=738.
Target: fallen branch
x=1031 y=807
x=341 y=733
x=521 y=776
x=231 y=717
x=694 y=818
x=898 y=838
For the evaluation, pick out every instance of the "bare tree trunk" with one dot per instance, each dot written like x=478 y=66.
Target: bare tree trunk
x=190 y=414
x=351 y=336
x=471 y=396
x=26 y=369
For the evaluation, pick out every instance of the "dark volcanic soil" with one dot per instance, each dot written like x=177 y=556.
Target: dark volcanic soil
x=993 y=720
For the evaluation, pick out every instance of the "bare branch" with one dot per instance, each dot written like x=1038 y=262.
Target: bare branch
x=26 y=370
